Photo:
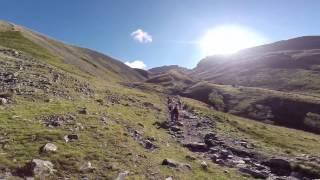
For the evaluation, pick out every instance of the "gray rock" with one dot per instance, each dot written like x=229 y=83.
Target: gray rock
x=254 y=173
x=122 y=175
x=175 y=164
x=279 y=167
x=196 y=147
x=3 y=101
x=49 y=147
x=204 y=165
x=83 y=111
x=170 y=163
x=209 y=138
x=169 y=178
x=39 y=168
x=148 y=144
x=87 y=167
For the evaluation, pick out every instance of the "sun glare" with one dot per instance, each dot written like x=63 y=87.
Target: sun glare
x=228 y=40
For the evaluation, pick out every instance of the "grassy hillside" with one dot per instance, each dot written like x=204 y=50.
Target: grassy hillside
x=71 y=97
x=291 y=71
x=43 y=99
x=285 y=109
x=173 y=80
x=71 y=58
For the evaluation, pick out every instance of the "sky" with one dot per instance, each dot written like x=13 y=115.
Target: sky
x=151 y=33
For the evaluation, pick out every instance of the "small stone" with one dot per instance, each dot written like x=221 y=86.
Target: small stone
x=140 y=124
x=169 y=178
x=191 y=158
x=204 y=165
x=79 y=126
x=49 y=147
x=87 y=167
x=83 y=111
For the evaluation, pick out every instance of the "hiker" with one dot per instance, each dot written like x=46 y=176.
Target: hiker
x=175 y=113
x=180 y=103
x=169 y=101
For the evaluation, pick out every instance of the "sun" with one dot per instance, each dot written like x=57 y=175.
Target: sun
x=228 y=40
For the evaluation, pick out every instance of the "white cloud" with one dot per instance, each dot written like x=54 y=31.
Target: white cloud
x=136 y=64
x=141 y=36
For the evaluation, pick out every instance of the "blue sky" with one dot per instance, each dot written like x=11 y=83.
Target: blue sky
x=173 y=25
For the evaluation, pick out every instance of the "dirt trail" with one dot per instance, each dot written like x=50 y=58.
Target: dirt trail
x=198 y=135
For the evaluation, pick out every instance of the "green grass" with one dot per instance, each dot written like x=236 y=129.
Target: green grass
x=107 y=146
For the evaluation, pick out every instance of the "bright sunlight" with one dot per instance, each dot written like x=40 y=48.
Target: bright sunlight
x=228 y=40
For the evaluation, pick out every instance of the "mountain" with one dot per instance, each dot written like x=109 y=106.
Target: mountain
x=292 y=66
x=68 y=112
x=164 y=69
x=275 y=83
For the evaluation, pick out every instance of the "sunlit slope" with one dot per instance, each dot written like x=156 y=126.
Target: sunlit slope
x=292 y=65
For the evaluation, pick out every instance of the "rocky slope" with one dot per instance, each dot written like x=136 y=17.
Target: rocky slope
x=85 y=60
x=72 y=113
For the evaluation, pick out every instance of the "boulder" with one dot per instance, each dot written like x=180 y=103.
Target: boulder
x=37 y=168
x=279 y=167
x=49 y=147
x=3 y=101
x=254 y=173
x=175 y=164
x=209 y=139
x=148 y=144
x=196 y=146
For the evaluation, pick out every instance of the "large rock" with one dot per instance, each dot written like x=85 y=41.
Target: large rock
x=3 y=101
x=49 y=147
x=196 y=146
x=175 y=164
x=279 y=167
x=209 y=139
x=37 y=168
x=254 y=173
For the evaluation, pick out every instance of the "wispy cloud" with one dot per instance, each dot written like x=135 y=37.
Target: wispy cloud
x=141 y=36
x=136 y=64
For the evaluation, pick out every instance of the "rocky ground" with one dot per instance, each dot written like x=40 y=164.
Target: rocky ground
x=23 y=75
x=197 y=134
